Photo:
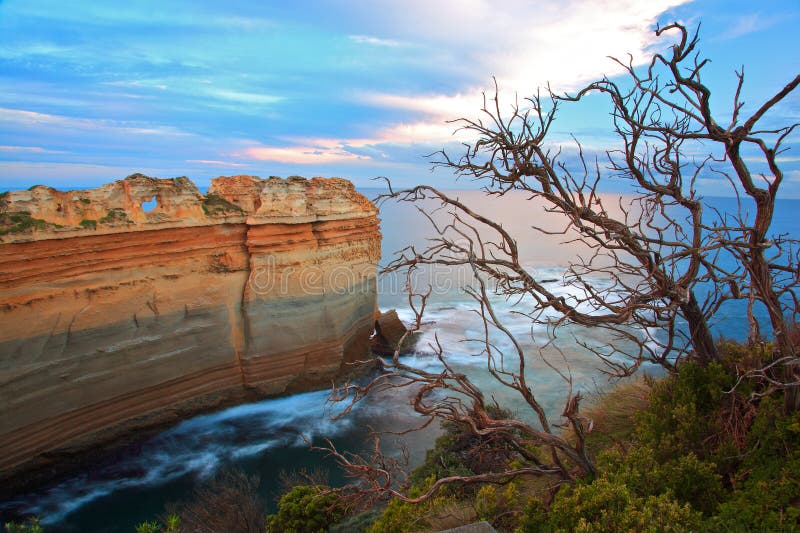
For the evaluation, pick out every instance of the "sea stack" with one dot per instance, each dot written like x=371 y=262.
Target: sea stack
x=116 y=315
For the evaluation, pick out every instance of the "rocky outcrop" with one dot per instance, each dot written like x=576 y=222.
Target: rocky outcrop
x=116 y=317
x=390 y=334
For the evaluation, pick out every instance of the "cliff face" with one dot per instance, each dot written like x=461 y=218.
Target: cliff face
x=114 y=317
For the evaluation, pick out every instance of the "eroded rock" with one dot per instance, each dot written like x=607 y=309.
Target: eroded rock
x=116 y=317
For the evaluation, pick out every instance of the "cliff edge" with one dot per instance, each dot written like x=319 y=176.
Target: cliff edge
x=134 y=303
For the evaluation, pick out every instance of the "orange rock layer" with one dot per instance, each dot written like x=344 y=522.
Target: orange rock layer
x=261 y=287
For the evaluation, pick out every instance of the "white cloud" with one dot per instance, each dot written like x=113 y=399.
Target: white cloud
x=31 y=118
x=30 y=150
x=318 y=150
x=524 y=45
x=303 y=155
x=744 y=24
x=147 y=84
x=376 y=41
x=244 y=97
x=214 y=162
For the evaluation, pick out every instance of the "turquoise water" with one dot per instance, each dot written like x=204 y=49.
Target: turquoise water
x=266 y=438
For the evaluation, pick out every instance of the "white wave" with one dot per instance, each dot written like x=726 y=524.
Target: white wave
x=196 y=447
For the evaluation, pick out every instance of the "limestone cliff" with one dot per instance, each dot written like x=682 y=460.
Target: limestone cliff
x=113 y=316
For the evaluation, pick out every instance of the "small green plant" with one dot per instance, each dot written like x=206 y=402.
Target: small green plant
x=19 y=222
x=32 y=526
x=115 y=215
x=148 y=527
x=88 y=224
x=486 y=502
x=172 y=525
x=86 y=200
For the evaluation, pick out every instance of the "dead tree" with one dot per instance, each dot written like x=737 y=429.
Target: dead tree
x=657 y=118
x=449 y=395
x=657 y=258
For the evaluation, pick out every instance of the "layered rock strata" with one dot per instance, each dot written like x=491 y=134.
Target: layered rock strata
x=114 y=317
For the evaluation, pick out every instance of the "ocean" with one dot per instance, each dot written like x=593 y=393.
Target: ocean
x=268 y=438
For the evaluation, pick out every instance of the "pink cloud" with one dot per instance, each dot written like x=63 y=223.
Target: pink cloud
x=305 y=155
x=215 y=163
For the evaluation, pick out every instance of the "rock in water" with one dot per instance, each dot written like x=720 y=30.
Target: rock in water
x=389 y=330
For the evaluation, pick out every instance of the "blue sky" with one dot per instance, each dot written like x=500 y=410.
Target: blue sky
x=92 y=91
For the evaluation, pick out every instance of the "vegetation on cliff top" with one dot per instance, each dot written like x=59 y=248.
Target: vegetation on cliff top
x=19 y=222
x=214 y=204
x=689 y=452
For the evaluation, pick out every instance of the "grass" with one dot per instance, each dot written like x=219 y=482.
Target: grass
x=612 y=414
x=20 y=222
x=216 y=205
x=115 y=215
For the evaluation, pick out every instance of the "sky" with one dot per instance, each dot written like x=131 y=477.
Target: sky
x=92 y=91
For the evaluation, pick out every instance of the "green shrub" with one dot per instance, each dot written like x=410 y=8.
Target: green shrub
x=115 y=215
x=687 y=478
x=486 y=502
x=683 y=415
x=399 y=516
x=607 y=506
x=19 y=222
x=88 y=224
x=306 y=509
x=766 y=486
x=31 y=527
x=771 y=504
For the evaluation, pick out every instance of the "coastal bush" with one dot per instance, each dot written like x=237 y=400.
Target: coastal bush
x=688 y=479
x=684 y=410
x=306 y=509
x=606 y=505
x=694 y=462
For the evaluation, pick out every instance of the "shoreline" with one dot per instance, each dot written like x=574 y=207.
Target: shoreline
x=54 y=468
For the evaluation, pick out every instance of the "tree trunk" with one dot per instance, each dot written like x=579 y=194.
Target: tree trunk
x=702 y=341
